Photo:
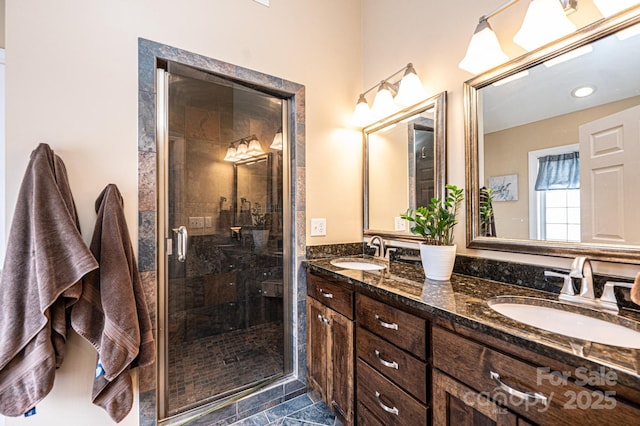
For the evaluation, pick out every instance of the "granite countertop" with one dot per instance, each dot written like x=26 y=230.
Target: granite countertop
x=463 y=300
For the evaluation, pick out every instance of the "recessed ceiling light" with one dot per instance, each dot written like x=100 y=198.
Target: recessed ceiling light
x=582 y=92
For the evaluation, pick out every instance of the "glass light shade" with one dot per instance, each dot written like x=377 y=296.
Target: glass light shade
x=410 y=91
x=241 y=151
x=544 y=22
x=362 y=113
x=611 y=7
x=277 y=141
x=484 y=51
x=254 y=148
x=231 y=154
x=383 y=104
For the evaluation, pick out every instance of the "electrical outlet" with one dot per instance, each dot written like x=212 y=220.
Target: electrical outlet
x=318 y=227
x=399 y=224
x=208 y=221
x=196 y=222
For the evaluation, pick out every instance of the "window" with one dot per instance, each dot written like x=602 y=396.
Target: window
x=554 y=194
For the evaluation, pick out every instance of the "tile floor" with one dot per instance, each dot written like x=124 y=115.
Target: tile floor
x=304 y=410
x=216 y=364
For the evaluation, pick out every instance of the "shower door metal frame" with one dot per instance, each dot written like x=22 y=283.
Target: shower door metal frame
x=164 y=236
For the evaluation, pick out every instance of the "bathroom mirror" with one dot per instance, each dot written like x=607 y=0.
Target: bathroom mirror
x=404 y=165
x=563 y=169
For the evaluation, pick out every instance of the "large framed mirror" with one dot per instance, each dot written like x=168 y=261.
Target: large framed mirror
x=562 y=169
x=404 y=165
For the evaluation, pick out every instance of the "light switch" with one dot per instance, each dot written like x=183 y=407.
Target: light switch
x=318 y=227
x=400 y=224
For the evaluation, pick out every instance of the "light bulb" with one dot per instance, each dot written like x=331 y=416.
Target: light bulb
x=362 y=113
x=410 y=91
x=484 y=51
x=383 y=104
x=544 y=22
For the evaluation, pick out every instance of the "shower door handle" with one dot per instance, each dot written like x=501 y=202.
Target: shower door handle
x=182 y=242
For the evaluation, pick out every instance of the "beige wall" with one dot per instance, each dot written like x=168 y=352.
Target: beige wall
x=507 y=152
x=72 y=82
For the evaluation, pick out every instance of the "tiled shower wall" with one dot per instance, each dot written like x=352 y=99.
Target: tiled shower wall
x=149 y=53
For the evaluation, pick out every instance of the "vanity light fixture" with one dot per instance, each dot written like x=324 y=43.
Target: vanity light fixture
x=277 y=140
x=383 y=104
x=544 y=22
x=243 y=150
x=390 y=97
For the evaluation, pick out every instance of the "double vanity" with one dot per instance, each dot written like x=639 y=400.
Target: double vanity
x=385 y=347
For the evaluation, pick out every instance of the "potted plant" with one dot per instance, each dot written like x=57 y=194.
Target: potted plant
x=435 y=224
x=260 y=232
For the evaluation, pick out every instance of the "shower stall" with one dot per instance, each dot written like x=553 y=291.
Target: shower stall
x=225 y=283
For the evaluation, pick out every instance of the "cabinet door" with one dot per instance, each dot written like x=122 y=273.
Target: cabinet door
x=457 y=404
x=340 y=366
x=317 y=346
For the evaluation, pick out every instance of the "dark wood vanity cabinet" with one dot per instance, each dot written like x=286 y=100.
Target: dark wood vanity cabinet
x=330 y=341
x=457 y=404
x=474 y=383
x=392 y=371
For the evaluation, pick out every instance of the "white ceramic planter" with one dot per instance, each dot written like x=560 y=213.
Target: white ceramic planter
x=437 y=261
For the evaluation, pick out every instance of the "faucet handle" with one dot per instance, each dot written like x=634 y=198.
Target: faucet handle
x=608 y=299
x=567 y=287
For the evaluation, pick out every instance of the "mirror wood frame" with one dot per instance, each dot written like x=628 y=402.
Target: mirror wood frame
x=439 y=104
x=611 y=253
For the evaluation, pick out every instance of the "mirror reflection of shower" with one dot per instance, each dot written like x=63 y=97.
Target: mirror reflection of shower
x=225 y=330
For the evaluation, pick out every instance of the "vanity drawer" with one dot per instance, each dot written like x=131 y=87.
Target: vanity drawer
x=400 y=328
x=567 y=403
x=366 y=418
x=336 y=297
x=386 y=401
x=406 y=371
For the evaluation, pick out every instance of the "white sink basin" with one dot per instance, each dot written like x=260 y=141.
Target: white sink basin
x=359 y=264
x=562 y=319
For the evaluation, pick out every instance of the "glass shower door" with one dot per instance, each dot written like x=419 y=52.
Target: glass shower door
x=224 y=293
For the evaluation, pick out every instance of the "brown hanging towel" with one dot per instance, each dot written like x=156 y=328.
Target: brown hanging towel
x=112 y=312
x=45 y=259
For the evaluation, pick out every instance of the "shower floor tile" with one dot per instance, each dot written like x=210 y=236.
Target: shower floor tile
x=202 y=369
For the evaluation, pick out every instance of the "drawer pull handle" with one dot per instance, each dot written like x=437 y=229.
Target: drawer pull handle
x=390 y=364
x=392 y=326
x=323 y=319
x=325 y=294
x=527 y=396
x=392 y=410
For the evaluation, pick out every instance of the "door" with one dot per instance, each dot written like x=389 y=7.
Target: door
x=317 y=346
x=340 y=367
x=609 y=181
x=222 y=295
x=459 y=405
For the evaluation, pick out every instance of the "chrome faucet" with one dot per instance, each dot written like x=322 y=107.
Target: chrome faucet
x=581 y=269
x=380 y=246
x=382 y=249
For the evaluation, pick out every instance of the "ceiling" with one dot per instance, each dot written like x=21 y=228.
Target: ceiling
x=612 y=67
